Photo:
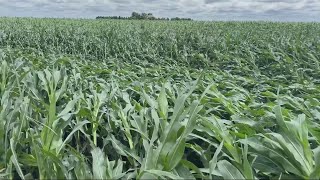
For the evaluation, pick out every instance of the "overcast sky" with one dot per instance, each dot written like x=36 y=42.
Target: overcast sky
x=278 y=10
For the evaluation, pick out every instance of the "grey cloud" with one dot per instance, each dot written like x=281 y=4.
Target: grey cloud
x=121 y=1
x=291 y=10
x=274 y=1
x=212 y=1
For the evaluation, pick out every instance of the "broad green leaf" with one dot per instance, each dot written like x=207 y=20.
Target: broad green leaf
x=191 y=166
x=273 y=153
x=175 y=156
x=191 y=123
x=316 y=170
x=247 y=169
x=67 y=109
x=229 y=171
x=280 y=119
x=148 y=176
x=99 y=168
x=163 y=174
x=295 y=150
x=150 y=161
x=163 y=103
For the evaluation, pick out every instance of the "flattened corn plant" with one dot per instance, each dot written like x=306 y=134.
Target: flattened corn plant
x=83 y=99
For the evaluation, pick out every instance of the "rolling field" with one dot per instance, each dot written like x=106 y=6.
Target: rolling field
x=107 y=99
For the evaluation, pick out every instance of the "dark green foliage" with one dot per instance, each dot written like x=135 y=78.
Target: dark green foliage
x=143 y=16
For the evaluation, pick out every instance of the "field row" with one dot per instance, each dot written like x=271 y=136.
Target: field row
x=159 y=100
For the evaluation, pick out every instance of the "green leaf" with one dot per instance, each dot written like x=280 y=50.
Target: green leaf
x=67 y=109
x=316 y=170
x=99 y=168
x=164 y=174
x=168 y=137
x=191 y=166
x=152 y=103
x=280 y=119
x=75 y=129
x=229 y=171
x=60 y=171
x=184 y=172
x=150 y=159
x=213 y=162
x=247 y=169
x=267 y=165
x=175 y=156
x=294 y=150
x=82 y=171
x=148 y=176
x=163 y=103
x=117 y=171
x=191 y=123
x=14 y=159
x=272 y=152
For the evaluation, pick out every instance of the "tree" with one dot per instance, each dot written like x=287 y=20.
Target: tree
x=150 y=16
x=135 y=15
x=144 y=16
x=147 y=16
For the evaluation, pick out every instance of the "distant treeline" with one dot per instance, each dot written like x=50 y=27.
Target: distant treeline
x=144 y=16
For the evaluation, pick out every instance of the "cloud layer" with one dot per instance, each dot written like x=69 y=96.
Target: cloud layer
x=279 y=10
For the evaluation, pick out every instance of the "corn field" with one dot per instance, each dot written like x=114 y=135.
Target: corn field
x=107 y=99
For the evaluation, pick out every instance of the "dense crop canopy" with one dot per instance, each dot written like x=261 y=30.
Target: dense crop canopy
x=92 y=99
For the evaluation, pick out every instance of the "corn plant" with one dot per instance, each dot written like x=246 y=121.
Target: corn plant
x=91 y=99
